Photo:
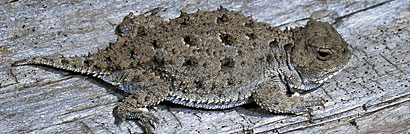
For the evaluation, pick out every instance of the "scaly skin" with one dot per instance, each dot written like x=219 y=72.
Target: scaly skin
x=212 y=60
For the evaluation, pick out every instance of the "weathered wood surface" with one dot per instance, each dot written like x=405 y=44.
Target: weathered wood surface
x=371 y=96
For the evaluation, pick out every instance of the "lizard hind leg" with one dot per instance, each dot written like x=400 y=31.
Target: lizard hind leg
x=136 y=107
x=146 y=89
x=273 y=96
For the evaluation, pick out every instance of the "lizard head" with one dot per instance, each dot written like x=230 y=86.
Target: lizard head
x=319 y=52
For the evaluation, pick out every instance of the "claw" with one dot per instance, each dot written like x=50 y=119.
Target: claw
x=154 y=122
x=148 y=121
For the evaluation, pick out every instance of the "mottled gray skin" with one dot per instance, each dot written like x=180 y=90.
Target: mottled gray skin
x=212 y=60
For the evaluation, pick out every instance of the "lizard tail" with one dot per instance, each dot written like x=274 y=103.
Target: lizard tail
x=74 y=64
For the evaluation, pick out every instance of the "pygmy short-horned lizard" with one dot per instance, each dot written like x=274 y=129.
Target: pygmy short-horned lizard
x=212 y=60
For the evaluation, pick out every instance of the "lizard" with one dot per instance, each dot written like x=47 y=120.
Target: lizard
x=211 y=60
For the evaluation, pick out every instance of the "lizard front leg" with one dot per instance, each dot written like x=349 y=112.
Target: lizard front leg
x=274 y=96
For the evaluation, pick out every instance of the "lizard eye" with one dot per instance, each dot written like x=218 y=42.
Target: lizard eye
x=324 y=54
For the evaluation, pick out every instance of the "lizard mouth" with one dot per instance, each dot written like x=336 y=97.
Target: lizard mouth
x=311 y=83
x=302 y=87
x=306 y=86
x=317 y=83
x=329 y=75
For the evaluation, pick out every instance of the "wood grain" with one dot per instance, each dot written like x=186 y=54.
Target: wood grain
x=371 y=96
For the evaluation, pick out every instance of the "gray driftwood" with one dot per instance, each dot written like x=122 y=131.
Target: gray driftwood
x=371 y=96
